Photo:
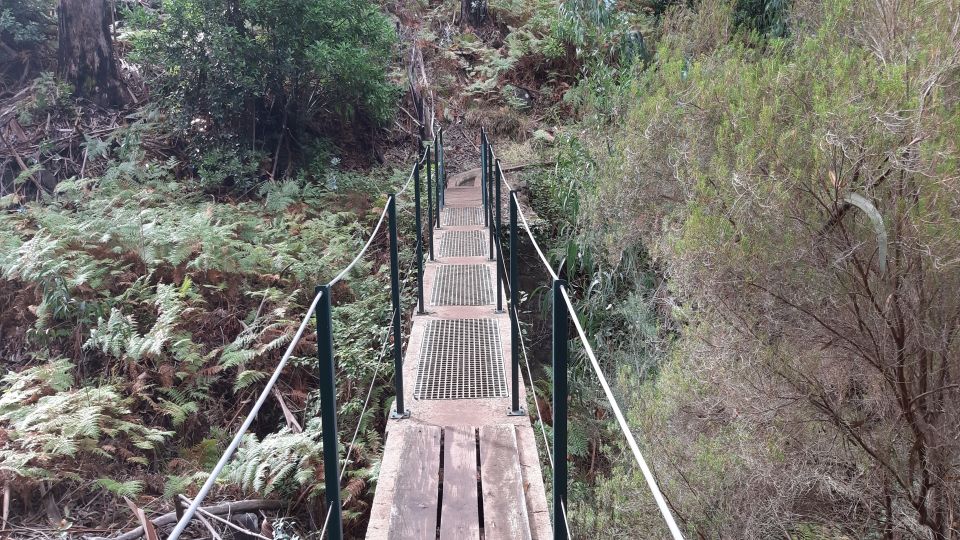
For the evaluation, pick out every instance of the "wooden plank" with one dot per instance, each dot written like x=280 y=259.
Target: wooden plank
x=460 y=512
x=414 y=511
x=504 y=504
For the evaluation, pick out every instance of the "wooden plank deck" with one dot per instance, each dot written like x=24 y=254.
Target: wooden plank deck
x=504 y=503
x=419 y=481
x=459 y=469
x=460 y=507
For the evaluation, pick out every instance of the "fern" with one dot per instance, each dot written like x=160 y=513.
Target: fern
x=178 y=412
x=67 y=424
x=28 y=385
x=130 y=488
x=282 y=459
x=176 y=485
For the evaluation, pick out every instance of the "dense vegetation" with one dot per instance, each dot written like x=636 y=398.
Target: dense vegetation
x=768 y=218
x=153 y=269
x=755 y=201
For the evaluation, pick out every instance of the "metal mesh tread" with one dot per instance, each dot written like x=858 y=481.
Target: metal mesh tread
x=461 y=359
x=462 y=285
x=456 y=217
x=463 y=244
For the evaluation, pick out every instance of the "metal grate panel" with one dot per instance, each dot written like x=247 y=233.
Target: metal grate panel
x=456 y=217
x=462 y=285
x=463 y=244
x=461 y=359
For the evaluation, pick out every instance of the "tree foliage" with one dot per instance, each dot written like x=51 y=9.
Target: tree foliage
x=26 y=27
x=255 y=67
x=814 y=389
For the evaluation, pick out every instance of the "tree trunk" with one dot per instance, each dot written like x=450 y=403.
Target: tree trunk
x=85 y=51
x=473 y=12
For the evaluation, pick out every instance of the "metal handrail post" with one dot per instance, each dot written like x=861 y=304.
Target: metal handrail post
x=328 y=410
x=443 y=172
x=559 y=411
x=430 y=204
x=490 y=181
x=436 y=174
x=498 y=179
x=515 y=409
x=483 y=172
x=399 y=411
x=419 y=224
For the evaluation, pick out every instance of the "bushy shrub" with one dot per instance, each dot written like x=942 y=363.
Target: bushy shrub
x=25 y=25
x=260 y=68
x=23 y=22
x=814 y=387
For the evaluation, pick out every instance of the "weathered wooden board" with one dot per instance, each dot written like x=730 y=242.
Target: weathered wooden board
x=414 y=512
x=504 y=503
x=460 y=514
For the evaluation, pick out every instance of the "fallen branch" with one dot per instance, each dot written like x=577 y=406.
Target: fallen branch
x=220 y=509
x=291 y=419
x=228 y=523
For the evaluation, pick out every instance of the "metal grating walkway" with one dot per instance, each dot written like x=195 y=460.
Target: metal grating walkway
x=461 y=217
x=461 y=359
x=463 y=244
x=458 y=465
x=463 y=285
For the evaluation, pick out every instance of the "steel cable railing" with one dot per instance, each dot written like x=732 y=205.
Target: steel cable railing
x=388 y=211
x=624 y=427
x=363 y=410
x=235 y=443
x=515 y=320
x=560 y=294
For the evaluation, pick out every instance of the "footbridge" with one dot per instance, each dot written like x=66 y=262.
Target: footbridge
x=461 y=459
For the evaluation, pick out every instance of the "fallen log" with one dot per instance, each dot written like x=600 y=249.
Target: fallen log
x=170 y=518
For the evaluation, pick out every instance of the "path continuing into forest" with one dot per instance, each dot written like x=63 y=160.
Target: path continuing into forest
x=460 y=466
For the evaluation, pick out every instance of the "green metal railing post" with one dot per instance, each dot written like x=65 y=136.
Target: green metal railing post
x=497 y=180
x=515 y=409
x=490 y=181
x=436 y=174
x=430 y=203
x=483 y=172
x=416 y=202
x=399 y=411
x=328 y=409
x=443 y=172
x=559 y=411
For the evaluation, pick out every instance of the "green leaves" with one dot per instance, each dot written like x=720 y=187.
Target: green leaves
x=64 y=424
x=282 y=460
x=258 y=64
x=130 y=488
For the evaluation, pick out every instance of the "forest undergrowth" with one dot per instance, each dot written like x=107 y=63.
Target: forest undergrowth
x=755 y=202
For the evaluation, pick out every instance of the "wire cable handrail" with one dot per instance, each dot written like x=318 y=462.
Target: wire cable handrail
x=624 y=427
x=383 y=215
x=621 y=420
x=345 y=271
x=366 y=403
x=235 y=443
x=189 y=513
x=536 y=245
x=413 y=171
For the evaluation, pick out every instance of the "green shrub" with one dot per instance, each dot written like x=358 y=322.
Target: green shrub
x=23 y=23
x=766 y=17
x=25 y=26
x=261 y=68
x=811 y=370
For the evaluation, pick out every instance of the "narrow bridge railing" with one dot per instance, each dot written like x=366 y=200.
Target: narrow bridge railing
x=321 y=305
x=563 y=311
